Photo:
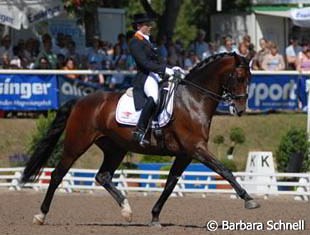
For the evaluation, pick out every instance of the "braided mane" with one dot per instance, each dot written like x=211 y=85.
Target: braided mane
x=210 y=60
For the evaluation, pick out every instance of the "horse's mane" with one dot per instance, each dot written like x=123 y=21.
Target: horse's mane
x=210 y=60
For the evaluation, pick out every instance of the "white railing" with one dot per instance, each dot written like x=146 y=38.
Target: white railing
x=126 y=72
x=147 y=181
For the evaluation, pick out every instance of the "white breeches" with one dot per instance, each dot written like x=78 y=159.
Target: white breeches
x=151 y=86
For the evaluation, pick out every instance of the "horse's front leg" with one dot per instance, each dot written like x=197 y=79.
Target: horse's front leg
x=203 y=155
x=179 y=165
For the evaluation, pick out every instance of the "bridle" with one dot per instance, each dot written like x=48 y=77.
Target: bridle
x=227 y=95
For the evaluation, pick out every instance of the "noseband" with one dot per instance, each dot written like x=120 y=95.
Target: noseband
x=227 y=95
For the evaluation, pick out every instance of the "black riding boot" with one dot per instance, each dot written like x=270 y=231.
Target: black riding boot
x=139 y=133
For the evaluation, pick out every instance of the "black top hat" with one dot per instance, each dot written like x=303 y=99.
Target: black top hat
x=142 y=18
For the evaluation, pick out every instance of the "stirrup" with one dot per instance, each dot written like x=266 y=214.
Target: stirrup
x=139 y=136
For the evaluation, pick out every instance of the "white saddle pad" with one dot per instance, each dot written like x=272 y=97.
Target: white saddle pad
x=127 y=114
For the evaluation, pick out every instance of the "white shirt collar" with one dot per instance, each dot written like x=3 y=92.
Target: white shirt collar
x=147 y=37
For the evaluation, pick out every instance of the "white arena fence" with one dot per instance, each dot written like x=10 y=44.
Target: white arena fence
x=296 y=185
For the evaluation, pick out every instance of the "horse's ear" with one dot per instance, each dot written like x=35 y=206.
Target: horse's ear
x=240 y=60
x=237 y=59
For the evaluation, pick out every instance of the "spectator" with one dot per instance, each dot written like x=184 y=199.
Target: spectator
x=47 y=52
x=303 y=64
x=70 y=65
x=259 y=57
x=96 y=56
x=250 y=46
x=6 y=47
x=243 y=50
x=191 y=59
x=72 y=53
x=117 y=79
x=291 y=53
x=60 y=47
x=94 y=78
x=43 y=63
x=61 y=59
x=16 y=60
x=162 y=48
x=199 y=46
x=273 y=61
x=120 y=52
x=30 y=54
x=228 y=46
x=303 y=58
x=5 y=58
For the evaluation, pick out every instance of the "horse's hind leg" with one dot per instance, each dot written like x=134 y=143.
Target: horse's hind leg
x=74 y=146
x=113 y=156
x=205 y=157
x=179 y=165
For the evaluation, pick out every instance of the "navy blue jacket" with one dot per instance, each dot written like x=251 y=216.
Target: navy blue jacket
x=147 y=60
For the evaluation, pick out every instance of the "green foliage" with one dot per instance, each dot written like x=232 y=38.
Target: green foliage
x=218 y=139
x=128 y=165
x=165 y=168
x=155 y=159
x=294 y=141
x=42 y=126
x=237 y=135
x=230 y=164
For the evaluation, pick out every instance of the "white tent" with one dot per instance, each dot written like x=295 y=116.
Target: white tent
x=301 y=17
x=23 y=13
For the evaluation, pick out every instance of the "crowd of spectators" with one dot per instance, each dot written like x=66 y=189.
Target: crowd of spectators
x=61 y=53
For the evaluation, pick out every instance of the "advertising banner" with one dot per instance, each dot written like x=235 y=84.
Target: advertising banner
x=69 y=89
x=28 y=92
x=273 y=92
x=18 y=14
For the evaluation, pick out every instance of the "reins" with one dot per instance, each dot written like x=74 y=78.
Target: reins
x=227 y=95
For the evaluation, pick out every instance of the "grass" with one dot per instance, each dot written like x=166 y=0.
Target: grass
x=263 y=133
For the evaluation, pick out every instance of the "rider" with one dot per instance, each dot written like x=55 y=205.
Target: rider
x=150 y=69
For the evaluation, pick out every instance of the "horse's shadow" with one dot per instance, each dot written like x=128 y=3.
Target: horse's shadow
x=141 y=225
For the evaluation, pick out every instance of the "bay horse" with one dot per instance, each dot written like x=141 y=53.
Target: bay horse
x=91 y=120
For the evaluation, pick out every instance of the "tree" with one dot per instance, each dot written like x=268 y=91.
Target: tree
x=179 y=19
x=167 y=20
x=295 y=141
x=237 y=137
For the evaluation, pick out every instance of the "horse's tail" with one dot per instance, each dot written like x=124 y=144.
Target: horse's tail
x=45 y=147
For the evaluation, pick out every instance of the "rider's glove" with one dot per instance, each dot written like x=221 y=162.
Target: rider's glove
x=178 y=72
x=169 y=72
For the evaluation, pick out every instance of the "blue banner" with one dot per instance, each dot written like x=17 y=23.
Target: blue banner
x=273 y=92
x=69 y=89
x=28 y=92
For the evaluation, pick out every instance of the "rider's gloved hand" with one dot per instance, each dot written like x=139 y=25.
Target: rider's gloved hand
x=179 y=72
x=169 y=72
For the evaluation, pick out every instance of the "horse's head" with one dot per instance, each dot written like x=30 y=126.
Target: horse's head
x=235 y=86
x=223 y=77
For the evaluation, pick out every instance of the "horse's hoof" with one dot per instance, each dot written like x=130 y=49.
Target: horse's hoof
x=38 y=219
x=155 y=224
x=251 y=204
x=126 y=211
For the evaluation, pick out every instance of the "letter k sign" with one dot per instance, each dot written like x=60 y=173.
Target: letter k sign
x=265 y=161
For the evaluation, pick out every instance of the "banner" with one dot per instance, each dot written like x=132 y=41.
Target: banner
x=69 y=89
x=301 y=17
x=28 y=92
x=273 y=92
x=18 y=14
